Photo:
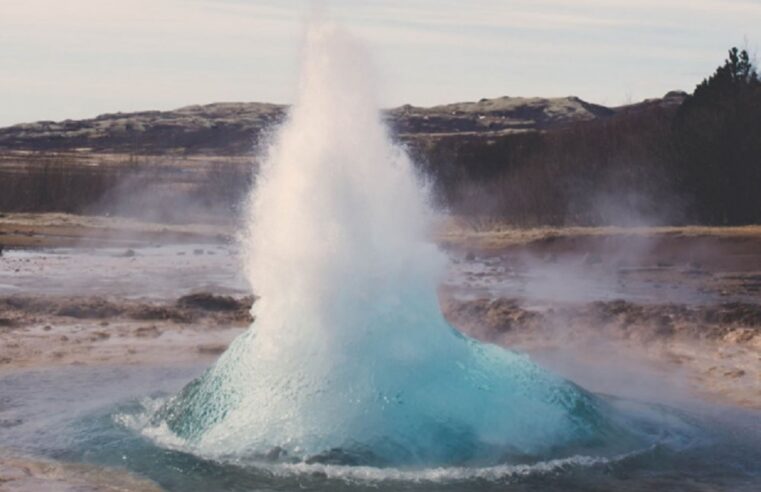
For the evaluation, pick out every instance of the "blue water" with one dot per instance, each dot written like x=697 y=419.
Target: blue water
x=400 y=390
x=82 y=415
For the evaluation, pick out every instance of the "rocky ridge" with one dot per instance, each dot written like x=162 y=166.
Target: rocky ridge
x=233 y=128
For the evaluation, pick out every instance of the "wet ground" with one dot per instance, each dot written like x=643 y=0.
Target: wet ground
x=145 y=271
x=689 y=305
x=667 y=316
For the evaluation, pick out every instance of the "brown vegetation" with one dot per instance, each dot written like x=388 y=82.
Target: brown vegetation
x=684 y=159
x=17 y=310
x=160 y=189
x=57 y=229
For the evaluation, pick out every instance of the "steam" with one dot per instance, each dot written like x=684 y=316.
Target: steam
x=337 y=205
x=164 y=190
x=350 y=359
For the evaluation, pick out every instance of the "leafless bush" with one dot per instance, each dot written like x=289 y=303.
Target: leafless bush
x=165 y=191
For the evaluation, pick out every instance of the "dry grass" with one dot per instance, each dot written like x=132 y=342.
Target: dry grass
x=59 y=229
x=493 y=234
x=172 y=189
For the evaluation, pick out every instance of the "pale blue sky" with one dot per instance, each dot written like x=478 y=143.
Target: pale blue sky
x=79 y=58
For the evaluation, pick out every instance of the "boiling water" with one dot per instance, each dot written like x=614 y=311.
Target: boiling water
x=350 y=378
x=350 y=360
x=89 y=415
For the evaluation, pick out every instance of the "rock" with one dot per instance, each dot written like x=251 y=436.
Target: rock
x=734 y=373
x=89 y=308
x=211 y=302
x=211 y=349
x=147 y=332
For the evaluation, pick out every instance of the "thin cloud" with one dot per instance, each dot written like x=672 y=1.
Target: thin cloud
x=116 y=55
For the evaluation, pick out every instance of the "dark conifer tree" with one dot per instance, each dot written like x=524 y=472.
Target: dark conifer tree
x=718 y=144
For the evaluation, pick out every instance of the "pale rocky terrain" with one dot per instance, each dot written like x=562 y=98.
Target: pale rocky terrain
x=682 y=304
x=686 y=299
x=234 y=127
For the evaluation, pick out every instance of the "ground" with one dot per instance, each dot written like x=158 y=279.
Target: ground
x=679 y=304
x=646 y=312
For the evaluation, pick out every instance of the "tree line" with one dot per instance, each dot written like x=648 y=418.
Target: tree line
x=697 y=160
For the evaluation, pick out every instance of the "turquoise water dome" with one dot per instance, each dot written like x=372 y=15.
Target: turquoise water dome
x=386 y=398
x=350 y=359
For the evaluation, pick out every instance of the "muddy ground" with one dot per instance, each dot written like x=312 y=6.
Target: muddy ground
x=676 y=309
x=661 y=314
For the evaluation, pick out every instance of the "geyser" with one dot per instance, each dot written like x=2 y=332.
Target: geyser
x=350 y=359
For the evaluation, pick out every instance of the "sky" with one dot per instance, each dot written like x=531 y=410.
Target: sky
x=74 y=59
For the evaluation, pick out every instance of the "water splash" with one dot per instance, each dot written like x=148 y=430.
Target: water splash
x=350 y=359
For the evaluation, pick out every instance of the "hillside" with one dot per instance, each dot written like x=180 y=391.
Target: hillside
x=232 y=128
x=195 y=163
x=680 y=159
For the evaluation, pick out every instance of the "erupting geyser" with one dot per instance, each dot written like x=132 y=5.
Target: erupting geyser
x=349 y=358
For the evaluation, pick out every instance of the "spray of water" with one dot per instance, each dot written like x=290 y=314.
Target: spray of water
x=349 y=358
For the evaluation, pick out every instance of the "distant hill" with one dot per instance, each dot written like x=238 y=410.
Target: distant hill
x=681 y=158
x=525 y=160
x=233 y=128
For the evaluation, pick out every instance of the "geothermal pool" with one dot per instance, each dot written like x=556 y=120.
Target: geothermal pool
x=350 y=378
x=88 y=415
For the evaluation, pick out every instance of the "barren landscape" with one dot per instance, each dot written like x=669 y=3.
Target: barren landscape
x=675 y=310
x=121 y=278
x=683 y=302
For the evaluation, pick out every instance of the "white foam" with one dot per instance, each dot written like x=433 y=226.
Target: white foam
x=161 y=435
x=439 y=474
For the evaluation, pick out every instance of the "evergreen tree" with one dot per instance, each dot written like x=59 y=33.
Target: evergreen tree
x=718 y=139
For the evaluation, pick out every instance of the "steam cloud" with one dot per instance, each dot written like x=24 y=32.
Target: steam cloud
x=350 y=358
